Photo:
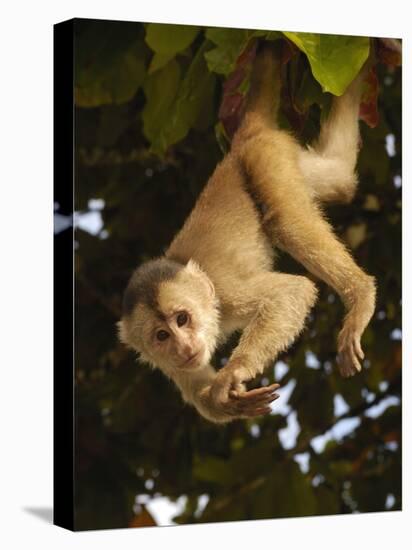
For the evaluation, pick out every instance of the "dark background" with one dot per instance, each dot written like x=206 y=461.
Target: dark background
x=146 y=141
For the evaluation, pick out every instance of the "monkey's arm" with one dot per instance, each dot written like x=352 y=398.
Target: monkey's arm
x=278 y=305
x=196 y=389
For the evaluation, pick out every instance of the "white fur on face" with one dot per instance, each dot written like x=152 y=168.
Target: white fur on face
x=190 y=292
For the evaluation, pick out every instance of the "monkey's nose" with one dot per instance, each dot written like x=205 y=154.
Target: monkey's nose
x=184 y=349
x=188 y=352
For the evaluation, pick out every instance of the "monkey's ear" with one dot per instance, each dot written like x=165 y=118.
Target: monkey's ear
x=122 y=333
x=195 y=269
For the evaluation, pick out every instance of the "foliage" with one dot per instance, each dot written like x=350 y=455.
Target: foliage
x=155 y=106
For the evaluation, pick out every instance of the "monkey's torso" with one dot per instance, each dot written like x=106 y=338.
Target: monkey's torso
x=222 y=230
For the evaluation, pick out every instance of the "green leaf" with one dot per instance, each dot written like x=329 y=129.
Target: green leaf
x=272 y=35
x=168 y=119
x=308 y=93
x=334 y=60
x=116 y=83
x=289 y=494
x=160 y=90
x=170 y=39
x=213 y=470
x=250 y=462
x=229 y=45
x=159 y=60
x=110 y=60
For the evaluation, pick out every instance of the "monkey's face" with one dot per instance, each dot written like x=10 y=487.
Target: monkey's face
x=180 y=331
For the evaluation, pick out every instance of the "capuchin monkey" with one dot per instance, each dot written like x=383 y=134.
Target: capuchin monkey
x=217 y=275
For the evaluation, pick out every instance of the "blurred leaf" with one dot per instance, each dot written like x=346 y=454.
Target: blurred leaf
x=168 y=117
x=213 y=470
x=159 y=60
x=309 y=92
x=160 y=90
x=286 y=495
x=229 y=45
x=117 y=85
x=168 y=40
x=109 y=65
x=371 y=203
x=355 y=235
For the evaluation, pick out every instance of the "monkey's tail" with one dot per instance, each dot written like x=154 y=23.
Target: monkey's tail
x=263 y=98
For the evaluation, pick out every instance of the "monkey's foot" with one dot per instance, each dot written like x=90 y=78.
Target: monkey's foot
x=349 y=352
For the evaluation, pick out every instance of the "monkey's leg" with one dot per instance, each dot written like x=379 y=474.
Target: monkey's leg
x=329 y=166
x=295 y=224
x=277 y=304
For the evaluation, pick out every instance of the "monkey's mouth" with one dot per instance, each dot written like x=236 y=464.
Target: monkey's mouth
x=193 y=359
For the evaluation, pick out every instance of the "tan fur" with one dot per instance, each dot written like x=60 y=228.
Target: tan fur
x=231 y=245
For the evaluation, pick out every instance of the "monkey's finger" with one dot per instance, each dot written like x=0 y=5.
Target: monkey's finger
x=248 y=407
x=270 y=398
x=347 y=373
x=257 y=404
x=346 y=369
x=254 y=401
x=264 y=389
x=251 y=394
x=349 y=362
x=354 y=358
x=343 y=364
x=272 y=387
x=267 y=399
x=258 y=412
x=248 y=396
x=358 y=349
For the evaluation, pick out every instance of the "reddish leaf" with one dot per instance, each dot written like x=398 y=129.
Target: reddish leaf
x=231 y=107
x=394 y=435
x=247 y=57
x=294 y=117
x=144 y=519
x=389 y=51
x=230 y=112
x=235 y=87
x=368 y=111
x=289 y=50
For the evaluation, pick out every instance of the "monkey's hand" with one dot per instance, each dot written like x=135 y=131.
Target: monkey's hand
x=227 y=395
x=349 y=351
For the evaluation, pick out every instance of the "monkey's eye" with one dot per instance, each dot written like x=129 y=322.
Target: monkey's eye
x=162 y=335
x=182 y=319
